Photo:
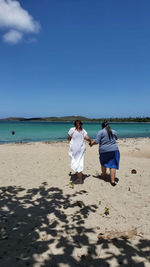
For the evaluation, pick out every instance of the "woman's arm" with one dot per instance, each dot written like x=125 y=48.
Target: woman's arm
x=115 y=134
x=116 y=137
x=69 y=137
x=97 y=139
x=87 y=138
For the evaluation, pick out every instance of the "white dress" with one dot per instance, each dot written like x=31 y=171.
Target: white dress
x=77 y=149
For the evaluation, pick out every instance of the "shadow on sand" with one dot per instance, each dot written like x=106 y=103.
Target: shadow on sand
x=107 y=179
x=37 y=230
x=73 y=176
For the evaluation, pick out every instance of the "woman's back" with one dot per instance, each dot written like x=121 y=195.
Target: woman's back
x=106 y=144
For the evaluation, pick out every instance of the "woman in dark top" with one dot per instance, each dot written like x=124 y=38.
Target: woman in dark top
x=108 y=151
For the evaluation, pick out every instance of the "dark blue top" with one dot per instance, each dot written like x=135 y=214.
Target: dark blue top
x=106 y=144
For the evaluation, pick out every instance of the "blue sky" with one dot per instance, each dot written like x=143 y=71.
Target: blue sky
x=75 y=57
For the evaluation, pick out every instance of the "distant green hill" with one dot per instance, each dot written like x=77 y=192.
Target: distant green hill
x=73 y=118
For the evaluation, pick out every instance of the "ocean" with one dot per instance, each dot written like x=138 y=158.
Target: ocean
x=13 y=132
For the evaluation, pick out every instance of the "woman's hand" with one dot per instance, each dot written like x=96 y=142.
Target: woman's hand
x=69 y=137
x=92 y=143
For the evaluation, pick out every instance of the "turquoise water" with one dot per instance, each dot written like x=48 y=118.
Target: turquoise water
x=56 y=131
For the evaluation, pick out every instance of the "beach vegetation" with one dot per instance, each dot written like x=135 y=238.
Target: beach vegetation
x=71 y=185
x=82 y=118
x=106 y=211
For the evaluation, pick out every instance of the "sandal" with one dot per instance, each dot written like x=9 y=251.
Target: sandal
x=113 y=184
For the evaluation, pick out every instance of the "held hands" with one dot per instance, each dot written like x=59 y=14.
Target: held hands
x=91 y=143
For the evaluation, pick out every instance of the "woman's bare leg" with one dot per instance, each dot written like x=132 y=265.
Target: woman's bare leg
x=112 y=175
x=79 y=175
x=103 y=169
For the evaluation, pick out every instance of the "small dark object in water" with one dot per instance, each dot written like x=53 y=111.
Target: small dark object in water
x=133 y=171
x=13 y=132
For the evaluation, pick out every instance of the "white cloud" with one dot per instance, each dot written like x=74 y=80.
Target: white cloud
x=17 y=20
x=12 y=36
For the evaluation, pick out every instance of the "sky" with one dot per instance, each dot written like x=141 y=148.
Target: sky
x=74 y=57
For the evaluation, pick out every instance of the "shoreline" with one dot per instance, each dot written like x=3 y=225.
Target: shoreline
x=65 y=140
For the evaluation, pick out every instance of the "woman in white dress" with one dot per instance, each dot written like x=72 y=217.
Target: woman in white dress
x=76 y=136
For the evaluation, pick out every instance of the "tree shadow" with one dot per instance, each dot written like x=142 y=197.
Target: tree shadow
x=73 y=176
x=107 y=179
x=128 y=251
x=44 y=226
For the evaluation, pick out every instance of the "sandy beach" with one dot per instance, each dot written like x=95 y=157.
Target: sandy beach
x=46 y=221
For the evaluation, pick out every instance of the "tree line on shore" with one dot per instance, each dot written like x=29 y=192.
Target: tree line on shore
x=84 y=119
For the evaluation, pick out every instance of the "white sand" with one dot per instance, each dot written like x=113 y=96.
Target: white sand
x=41 y=223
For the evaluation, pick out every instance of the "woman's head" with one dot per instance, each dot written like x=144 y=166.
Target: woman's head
x=78 y=124
x=105 y=125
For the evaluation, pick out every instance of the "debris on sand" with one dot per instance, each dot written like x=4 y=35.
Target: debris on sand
x=133 y=171
x=117 y=234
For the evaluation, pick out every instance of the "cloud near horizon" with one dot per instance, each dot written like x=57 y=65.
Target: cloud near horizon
x=17 y=20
